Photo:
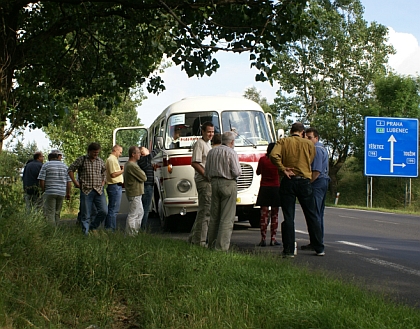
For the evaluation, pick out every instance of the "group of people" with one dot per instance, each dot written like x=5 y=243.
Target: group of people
x=300 y=159
x=303 y=162
x=46 y=185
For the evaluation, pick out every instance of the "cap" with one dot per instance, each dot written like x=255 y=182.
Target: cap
x=58 y=152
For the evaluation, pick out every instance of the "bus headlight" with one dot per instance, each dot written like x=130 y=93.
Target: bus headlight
x=184 y=186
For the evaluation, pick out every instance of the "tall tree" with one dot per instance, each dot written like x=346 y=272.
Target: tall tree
x=254 y=94
x=53 y=52
x=327 y=81
x=398 y=96
x=84 y=124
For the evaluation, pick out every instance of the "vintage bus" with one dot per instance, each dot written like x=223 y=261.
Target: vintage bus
x=172 y=136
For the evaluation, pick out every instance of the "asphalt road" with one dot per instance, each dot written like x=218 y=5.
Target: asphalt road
x=378 y=251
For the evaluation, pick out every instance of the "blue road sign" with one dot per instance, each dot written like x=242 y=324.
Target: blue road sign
x=391 y=147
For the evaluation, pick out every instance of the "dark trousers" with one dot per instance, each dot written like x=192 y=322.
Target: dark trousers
x=320 y=188
x=290 y=189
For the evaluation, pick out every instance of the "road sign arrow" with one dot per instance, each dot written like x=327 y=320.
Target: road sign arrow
x=391 y=141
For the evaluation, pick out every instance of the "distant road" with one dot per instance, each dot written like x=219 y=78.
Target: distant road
x=380 y=251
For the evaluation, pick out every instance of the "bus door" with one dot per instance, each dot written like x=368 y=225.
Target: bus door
x=126 y=137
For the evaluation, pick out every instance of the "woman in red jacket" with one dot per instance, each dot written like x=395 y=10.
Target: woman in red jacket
x=268 y=196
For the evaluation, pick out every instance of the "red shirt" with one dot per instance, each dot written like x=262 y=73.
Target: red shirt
x=268 y=171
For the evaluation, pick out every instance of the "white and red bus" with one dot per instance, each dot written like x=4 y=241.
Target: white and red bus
x=173 y=134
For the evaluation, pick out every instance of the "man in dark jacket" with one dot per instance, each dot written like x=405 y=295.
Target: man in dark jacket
x=145 y=163
x=31 y=183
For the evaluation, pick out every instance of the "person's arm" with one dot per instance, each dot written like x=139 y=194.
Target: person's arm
x=198 y=168
x=75 y=182
x=68 y=189
x=315 y=175
x=139 y=174
x=235 y=165
x=42 y=185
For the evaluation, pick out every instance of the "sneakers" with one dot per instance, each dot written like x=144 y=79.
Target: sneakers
x=275 y=243
x=322 y=253
x=285 y=255
x=307 y=247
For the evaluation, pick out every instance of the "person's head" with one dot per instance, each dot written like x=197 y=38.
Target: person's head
x=117 y=150
x=217 y=139
x=207 y=131
x=228 y=139
x=93 y=150
x=134 y=153
x=312 y=134
x=177 y=132
x=38 y=156
x=270 y=148
x=297 y=129
x=144 y=151
x=55 y=155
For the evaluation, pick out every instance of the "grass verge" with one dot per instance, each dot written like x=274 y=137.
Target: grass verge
x=53 y=277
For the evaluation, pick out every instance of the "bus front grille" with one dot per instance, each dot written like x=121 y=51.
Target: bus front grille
x=245 y=180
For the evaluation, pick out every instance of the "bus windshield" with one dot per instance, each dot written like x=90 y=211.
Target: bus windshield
x=183 y=129
x=250 y=127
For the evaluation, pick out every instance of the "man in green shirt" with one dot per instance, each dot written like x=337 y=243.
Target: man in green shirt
x=134 y=179
x=293 y=156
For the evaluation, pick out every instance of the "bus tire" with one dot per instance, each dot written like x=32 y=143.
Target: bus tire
x=254 y=222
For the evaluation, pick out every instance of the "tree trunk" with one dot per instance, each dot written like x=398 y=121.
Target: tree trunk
x=8 y=59
x=333 y=171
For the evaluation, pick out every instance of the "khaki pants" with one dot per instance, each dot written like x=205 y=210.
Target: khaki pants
x=198 y=233
x=52 y=207
x=222 y=213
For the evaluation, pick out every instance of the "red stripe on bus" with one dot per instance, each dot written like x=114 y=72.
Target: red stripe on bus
x=186 y=160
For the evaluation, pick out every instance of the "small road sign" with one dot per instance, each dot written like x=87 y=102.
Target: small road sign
x=391 y=147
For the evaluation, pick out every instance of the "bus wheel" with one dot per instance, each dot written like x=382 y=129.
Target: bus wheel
x=254 y=222
x=250 y=214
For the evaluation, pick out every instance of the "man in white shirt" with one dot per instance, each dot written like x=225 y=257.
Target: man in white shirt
x=198 y=234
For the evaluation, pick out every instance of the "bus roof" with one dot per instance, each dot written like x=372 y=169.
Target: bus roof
x=212 y=103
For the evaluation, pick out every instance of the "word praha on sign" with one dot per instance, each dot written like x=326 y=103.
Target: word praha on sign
x=391 y=147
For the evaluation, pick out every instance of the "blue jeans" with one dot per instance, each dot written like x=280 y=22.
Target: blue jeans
x=114 y=200
x=290 y=189
x=86 y=202
x=146 y=199
x=320 y=188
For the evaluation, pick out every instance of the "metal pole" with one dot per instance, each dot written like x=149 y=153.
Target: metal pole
x=367 y=192
x=409 y=195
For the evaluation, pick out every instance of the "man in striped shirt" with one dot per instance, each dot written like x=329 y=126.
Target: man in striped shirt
x=223 y=169
x=56 y=184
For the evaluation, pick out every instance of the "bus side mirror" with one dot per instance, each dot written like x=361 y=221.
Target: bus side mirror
x=280 y=133
x=159 y=142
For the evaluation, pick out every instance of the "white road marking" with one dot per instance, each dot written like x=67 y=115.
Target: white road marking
x=394 y=266
x=357 y=245
x=302 y=232
x=384 y=263
x=349 y=217
x=383 y=221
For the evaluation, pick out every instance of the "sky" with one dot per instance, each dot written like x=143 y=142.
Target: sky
x=235 y=75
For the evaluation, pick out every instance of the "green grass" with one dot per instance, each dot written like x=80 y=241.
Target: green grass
x=56 y=278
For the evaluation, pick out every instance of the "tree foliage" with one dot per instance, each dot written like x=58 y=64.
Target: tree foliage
x=84 y=124
x=327 y=81
x=54 y=53
x=397 y=96
x=254 y=94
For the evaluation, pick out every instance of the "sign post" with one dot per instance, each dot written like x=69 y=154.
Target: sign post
x=391 y=147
